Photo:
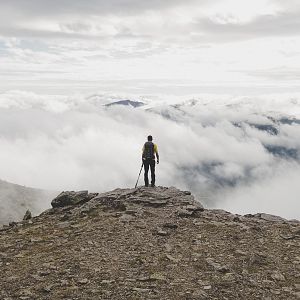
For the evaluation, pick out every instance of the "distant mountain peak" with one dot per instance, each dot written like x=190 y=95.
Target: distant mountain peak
x=126 y=103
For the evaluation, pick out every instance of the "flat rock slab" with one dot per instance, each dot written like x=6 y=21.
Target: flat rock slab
x=149 y=202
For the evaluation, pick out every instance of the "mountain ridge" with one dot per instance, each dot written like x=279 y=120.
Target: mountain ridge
x=15 y=199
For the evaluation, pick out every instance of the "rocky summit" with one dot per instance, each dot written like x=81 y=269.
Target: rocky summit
x=147 y=243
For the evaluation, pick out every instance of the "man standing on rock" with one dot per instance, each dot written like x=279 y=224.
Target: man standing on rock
x=148 y=156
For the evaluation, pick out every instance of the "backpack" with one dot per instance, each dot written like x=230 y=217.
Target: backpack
x=148 y=151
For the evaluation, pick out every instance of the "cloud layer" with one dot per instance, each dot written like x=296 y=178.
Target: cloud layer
x=53 y=135
x=224 y=150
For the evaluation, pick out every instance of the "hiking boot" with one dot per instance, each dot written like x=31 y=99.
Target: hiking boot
x=152 y=185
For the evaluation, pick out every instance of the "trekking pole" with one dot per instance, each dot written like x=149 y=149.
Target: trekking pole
x=139 y=176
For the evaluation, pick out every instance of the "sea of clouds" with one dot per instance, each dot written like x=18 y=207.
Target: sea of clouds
x=239 y=154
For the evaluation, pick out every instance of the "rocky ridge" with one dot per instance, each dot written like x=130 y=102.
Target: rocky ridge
x=147 y=243
x=16 y=199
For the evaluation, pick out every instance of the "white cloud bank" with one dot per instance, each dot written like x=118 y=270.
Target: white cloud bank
x=276 y=194
x=243 y=154
x=218 y=146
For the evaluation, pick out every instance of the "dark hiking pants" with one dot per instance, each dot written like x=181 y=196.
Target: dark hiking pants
x=149 y=163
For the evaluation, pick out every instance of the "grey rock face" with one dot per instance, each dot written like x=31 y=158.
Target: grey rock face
x=71 y=198
x=27 y=215
x=218 y=267
x=271 y=218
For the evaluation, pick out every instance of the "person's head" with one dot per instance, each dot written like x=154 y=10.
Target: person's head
x=150 y=138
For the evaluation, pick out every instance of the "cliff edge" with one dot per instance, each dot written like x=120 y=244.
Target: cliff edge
x=148 y=243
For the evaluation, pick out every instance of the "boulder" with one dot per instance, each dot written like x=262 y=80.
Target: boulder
x=71 y=198
x=27 y=215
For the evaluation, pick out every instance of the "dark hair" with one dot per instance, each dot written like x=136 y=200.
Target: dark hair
x=149 y=138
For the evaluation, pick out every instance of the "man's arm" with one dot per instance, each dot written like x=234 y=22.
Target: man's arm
x=143 y=152
x=156 y=153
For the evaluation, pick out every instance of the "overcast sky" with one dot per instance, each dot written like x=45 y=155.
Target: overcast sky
x=193 y=42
